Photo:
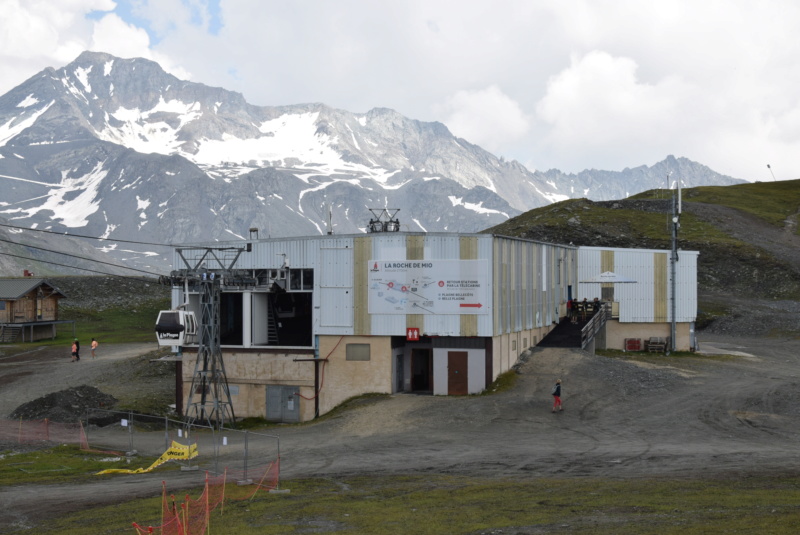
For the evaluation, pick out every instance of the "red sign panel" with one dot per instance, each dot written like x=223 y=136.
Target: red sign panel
x=412 y=334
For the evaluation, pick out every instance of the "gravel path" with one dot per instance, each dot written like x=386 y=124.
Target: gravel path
x=736 y=415
x=26 y=376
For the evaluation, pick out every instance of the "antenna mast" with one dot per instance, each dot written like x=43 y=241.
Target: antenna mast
x=676 y=214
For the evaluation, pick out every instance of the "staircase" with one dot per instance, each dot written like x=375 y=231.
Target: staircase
x=272 y=325
x=9 y=333
x=566 y=334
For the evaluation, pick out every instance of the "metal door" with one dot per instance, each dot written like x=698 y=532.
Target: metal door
x=283 y=403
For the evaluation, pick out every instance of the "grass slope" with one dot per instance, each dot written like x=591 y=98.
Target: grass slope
x=727 y=264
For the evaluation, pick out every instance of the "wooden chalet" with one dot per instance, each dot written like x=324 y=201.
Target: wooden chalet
x=28 y=310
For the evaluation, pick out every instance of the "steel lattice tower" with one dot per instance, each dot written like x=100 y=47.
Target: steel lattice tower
x=209 y=379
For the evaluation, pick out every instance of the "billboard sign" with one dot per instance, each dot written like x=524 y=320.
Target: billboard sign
x=428 y=286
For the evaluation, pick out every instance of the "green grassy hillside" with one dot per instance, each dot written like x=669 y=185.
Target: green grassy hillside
x=747 y=234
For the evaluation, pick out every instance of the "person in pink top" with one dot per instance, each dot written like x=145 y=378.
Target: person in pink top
x=94 y=346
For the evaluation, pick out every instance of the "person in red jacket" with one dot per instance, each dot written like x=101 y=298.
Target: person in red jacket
x=557 y=396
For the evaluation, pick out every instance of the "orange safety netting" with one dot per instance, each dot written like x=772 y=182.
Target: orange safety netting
x=31 y=432
x=193 y=516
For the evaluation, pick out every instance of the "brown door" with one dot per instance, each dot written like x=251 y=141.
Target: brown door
x=457 y=364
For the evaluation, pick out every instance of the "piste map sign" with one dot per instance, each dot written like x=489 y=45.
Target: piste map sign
x=428 y=286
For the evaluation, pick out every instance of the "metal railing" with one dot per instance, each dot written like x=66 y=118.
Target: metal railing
x=594 y=325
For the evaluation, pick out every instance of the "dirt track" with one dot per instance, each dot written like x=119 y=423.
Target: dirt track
x=672 y=417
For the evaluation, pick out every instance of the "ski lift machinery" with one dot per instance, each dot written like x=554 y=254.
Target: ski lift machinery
x=180 y=327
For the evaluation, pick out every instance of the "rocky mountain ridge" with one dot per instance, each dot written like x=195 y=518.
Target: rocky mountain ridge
x=119 y=149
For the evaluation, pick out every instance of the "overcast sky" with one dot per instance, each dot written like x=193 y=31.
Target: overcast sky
x=566 y=84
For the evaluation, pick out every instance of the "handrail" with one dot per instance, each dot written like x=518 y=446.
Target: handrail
x=595 y=324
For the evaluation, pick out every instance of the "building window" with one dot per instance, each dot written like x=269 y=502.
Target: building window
x=301 y=279
x=513 y=345
x=2 y=305
x=357 y=352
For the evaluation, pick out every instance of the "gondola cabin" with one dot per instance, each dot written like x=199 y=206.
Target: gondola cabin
x=176 y=328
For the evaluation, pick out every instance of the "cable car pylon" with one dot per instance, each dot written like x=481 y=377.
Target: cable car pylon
x=209 y=400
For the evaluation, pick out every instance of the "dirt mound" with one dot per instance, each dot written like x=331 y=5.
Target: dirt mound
x=66 y=406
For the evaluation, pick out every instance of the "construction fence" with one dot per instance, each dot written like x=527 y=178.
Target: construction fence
x=233 y=456
x=244 y=455
x=42 y=432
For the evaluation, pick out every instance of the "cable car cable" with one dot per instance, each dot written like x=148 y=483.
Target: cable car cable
x=89 y=237
x=80 y=257
x=79 y=268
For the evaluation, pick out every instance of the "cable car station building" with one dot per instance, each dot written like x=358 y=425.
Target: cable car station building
x=314 y=321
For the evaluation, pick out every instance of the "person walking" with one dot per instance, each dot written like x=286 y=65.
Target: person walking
x=557 y=396
x=77 y=348
x=94 y=346
x=74 y=350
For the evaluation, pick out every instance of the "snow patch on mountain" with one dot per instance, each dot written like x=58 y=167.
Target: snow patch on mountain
x=143 y=134
x=478 y=208
x=551 y=197
x=9 y=131
x=72 y=203
x=83 y=77
x=30 y=100
x=289 y=138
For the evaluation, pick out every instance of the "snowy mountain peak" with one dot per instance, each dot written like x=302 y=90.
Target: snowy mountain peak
x=120 y=148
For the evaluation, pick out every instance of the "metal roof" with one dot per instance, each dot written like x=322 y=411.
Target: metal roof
x=11 y=289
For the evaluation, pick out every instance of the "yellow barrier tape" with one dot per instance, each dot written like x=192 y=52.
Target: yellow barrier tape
x=175 y=451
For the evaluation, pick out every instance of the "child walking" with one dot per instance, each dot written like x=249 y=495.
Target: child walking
x=557 y=396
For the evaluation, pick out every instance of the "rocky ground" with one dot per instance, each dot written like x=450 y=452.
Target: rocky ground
x=43 y=383
x=101 y=293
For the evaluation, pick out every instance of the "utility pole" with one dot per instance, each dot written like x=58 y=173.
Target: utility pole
x=676 y=214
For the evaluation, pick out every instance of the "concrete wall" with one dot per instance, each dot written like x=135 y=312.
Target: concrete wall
x=252 y=372
x=344 y=379
x=617 y=332
x=506 y=348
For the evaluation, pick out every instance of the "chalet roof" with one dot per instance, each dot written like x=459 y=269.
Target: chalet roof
x=16 y=288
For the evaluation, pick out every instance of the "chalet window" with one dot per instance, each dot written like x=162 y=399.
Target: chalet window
x=2 y=305
x=357 y=352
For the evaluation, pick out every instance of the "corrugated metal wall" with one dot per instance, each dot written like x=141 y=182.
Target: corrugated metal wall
x=530 y=282
x=527 y=280
x=649 y=299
